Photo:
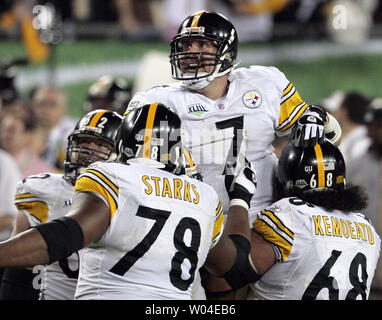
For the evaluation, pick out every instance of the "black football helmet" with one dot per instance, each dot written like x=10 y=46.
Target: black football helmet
x=100 y=124
x=109 y=93
x=211 y=26
x=312 y=168
x=152 y=134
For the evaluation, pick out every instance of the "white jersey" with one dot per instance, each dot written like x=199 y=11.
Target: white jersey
x=321 y=255
x=259 y=103
x=161 y=229
x=42 y=198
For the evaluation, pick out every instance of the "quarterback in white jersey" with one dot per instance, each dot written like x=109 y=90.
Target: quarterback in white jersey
x=45 y=197
x=225 y=112
x=323 y=249
x=146 y=225
x=245 y=119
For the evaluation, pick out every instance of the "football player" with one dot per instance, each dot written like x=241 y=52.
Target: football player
x=109 y=93
x=226 y=111
x=44 y=197
x=146 y=227
x=318 y=246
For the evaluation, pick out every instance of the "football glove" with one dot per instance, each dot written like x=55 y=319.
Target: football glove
x=243 y=187
x=309 y=128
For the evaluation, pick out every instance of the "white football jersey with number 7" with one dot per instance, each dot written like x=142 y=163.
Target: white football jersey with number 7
x=260 y=103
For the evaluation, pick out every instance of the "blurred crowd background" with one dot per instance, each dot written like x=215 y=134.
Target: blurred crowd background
x=58 y=58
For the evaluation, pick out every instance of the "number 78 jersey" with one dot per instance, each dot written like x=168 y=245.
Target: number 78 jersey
x=321 y=255
x=162 y=227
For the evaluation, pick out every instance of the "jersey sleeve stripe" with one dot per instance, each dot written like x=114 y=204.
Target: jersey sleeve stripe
x=277 y=222
x=219 y=218
x=105 y=179
x=278 y=253
x=105 y=185
x=287 y=89
x=287 y=119
x=272 y=236
x=218 y=208
x=290 y=100
x=286 y=96
x=87 y=183
x=218 y=225
x=24 y=196
x=38 y=209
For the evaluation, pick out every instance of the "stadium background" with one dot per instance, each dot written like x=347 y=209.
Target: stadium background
x=312 y=60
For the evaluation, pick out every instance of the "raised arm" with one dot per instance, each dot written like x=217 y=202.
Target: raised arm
x=230 y=256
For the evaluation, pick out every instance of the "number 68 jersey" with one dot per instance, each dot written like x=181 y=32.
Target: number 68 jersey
x=161 y=229
x=321 y=255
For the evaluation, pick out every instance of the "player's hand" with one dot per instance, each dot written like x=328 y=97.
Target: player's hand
x=309 y=128
x=244 y=185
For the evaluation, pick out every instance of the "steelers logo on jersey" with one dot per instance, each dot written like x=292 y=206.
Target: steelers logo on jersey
x=252 y=99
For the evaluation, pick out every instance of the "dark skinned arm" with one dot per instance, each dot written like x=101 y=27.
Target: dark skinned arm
x=222 y=256
x=262 y=254
x=29 y=248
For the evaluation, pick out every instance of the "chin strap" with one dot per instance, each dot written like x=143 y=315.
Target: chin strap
x=198 y=84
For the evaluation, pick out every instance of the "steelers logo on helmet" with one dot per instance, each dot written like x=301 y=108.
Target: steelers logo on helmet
x=151 y=134
x=318 y=167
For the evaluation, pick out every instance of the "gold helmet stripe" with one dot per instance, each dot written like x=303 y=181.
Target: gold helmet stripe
x=196 y=18
x=96 y=118
x=320 y=166
x=149 y=130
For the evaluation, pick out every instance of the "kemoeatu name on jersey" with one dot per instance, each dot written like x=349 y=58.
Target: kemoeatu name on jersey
x=333 y=227
x=173 y=188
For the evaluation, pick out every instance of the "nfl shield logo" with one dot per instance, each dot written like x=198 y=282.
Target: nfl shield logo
x=221 y=106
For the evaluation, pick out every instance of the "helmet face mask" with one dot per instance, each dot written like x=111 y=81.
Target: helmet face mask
x=320 y=167
x=82 y=155
x=207 y=26
x=93 y=139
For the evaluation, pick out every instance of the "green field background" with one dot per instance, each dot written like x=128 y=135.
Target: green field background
x=315 y=79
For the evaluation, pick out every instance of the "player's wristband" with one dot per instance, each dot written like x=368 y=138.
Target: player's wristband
x=239 y=202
